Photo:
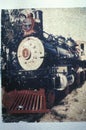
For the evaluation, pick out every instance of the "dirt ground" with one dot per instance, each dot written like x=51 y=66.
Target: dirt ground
x=71 y=108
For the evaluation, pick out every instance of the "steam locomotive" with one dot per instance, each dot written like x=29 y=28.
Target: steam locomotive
x=33 y=59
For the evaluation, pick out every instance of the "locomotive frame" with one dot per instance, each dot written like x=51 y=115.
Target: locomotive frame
x=25 y=52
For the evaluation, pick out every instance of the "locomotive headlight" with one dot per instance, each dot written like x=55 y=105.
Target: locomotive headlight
x=26 y=53
x=30 y=53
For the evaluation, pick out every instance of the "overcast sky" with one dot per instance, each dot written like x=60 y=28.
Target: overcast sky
x=66 y=22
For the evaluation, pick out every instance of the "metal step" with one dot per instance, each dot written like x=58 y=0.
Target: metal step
x=25 y=101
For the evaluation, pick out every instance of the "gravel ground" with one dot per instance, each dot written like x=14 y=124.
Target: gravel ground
x=71 y=108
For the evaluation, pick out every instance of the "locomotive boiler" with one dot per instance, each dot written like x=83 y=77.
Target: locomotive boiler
x=33 y=59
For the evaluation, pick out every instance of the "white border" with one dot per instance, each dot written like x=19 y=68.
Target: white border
x=10 y=4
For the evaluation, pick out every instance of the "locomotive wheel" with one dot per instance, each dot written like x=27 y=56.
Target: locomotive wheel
x=51 y=95
x=85 y=74
x=67 y=90
x=77 y=81
x=82 y=77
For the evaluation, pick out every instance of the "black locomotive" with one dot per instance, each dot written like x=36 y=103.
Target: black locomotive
x=34 y=59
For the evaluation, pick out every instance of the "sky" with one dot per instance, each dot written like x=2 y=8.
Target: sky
x=69 y=22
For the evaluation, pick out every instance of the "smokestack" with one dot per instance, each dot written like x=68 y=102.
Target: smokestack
x=39 y=16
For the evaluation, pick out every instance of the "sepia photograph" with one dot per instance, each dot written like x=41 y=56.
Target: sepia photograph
x=43 y=65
